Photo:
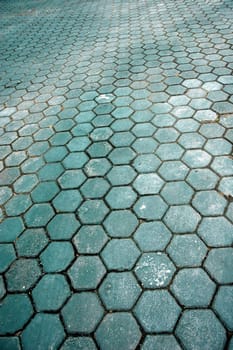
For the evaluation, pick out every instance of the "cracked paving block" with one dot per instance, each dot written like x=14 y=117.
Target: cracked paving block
x=154 y=270
x=165 y=342
x=219 y=264
x=118 y=330
x=57 y=256
x=119 y=291
x=223 y=305
x=152 y=236
x=86 y=272
x=193 y=288
x=161 y=304
x=200 y=330
x=44 y=331
x=88 y=313
x=120 y=254
x=14 y=304
x=90 y=239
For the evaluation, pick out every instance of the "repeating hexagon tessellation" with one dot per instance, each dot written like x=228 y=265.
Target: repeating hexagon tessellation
x=116 y=174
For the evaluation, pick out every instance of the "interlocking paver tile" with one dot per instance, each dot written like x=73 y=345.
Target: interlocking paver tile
x=116 y=131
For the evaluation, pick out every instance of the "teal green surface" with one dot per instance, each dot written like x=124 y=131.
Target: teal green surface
x=116 y=175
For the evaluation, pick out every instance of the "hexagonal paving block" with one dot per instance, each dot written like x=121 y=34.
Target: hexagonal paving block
x=44 y=331
x=74 y=343
x=173 y=170
x=51 y=292
x=144 y=145
x=152 y=236
x=120 y=254
x=121 y=175
x=193 y=288
x=8 y=343
x=121 y=155
x=152 y=311
x=120 y=223
x=150 y=207
x=226 y=186
x=202 y=179
x=7 y=254
x=18 y=204
x=17 y=304
x=223 y=165
x=99 y=149
x=10 y=229
x=148 y=183
x=121 y=197
x=200 y=330
x=92 y=211
x=182 y=219
x=57 y=256
x=88 y=313
x=219 y=264
x=95 y=188
x=216 y=231
x=86 y=272
x=118 y=330
x=67 y=200
x=71 y=179
x=154 y=270
x=44 y=192
x=164 y=135
x=223 y=305
x=97 y=167
x=39 y=215
x=177 y=193
x=146 y=163
x=165 y=342
x=63 y=226
x=209 y=203
x=196 y=158
x=22 y=275
x=75 y=160
x=31 y=242
x=169 y=151
x=119 y=291
x=90 y=239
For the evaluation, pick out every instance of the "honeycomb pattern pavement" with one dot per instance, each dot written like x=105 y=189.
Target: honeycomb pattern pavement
x=116 y=174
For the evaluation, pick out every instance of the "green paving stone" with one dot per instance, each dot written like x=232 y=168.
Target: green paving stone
x=99 y=149
x=229 y=212
x=145 y=145
x=97 y=167
x=121 y=155
x=223 y=305
x=38 y=215
x=104 y=108
x=187 y=250
x=10 y=343
x=5 y=194
x=223 y=107
x=121 y=197
x=51 y=292
x=193 y=288
x=142 y=116
x=63 y=125
x=202 y=179
x=95 y=188
x=22 y=275
x=146 y=163
x=163 y=120
x=161 y=304
x=122 y=125
x=216 y=231
x=160 y=342
x=57 y=256
x=25 y=183
x=182 y=219
x=209 y=203
x=78 y=343
x=15 y=158
x=150 y=207
x=122 y=112
x=71 y=179
x=183 y=112
x=119 y=291
x=38 y=148
x=86 y=272
x=173 y=170
x=44 y=331
x=102 y=120
x=118 y=331
x=7 y=254
x=120 y=223
x=200 y=329
x=121 y=175
x=219 y=265
x=154 y=270
x=92 y=211
x=90 y=239
x=2 y=288
x=205 y=116
x=88 y=313
x=17 y=304
x=218 y=147
x=222 y=165
x=165 y=135
x=18 y=204
x=152 y=236
x=196 y=158
x=169 y=151
x=50 y=172
x=31 y=242
x=187 y=125
x=148 y=183
x=226 y=186
x=191 y=140
x=122 y=139
x=10 y=229
x=231 y=344
x=82 y=129
x=67 y=201
x=177 y=193
x=8 y=176
x=44 y=192
x=101 y=134
x=75 y=160
x=78 y=144
x=143 y=130
x=120 y=254
x=63 y=226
